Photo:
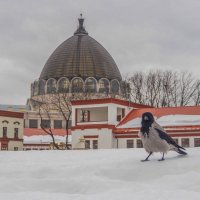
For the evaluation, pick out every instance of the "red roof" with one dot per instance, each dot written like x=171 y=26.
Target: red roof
x=158 y=112
x=37 y=131
x=109 y=100
x=5 y=113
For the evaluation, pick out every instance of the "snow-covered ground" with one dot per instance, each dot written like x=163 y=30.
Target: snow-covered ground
x=99 y=175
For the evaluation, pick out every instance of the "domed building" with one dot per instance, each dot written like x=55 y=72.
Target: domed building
x=79 y=65
x=80 y=68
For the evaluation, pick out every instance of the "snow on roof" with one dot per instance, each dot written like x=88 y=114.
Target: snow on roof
x=38 y=136
x=44 y=139
x=175 y=116
x=168 y=120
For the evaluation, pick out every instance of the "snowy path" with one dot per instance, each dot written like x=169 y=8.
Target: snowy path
x=98 y=175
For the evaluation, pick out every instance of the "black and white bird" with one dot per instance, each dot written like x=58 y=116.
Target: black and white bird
x=155 y=139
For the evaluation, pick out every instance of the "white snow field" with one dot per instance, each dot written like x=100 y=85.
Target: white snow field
x=116 y=174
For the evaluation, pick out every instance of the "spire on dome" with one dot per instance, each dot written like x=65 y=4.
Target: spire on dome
x=81 y=29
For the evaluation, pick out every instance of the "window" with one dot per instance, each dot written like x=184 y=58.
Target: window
x=4 y=131
x=123 y=112
x=90 y=85
x=115 y=87
x=120 y=113
x=63 y=85
x=176 y=140
x=77 y=85
x=51 y=86
x=95 y=144
x=33 y=123
x=185 y=142
x=16 y=130
x=4 y=147
x=85 y=115
x=104 y=86
x=119 y=117
x=45 y=123
x=129 y=144
x=57 y=123
x=197 y=142
x=16 y=148
x=139 y=144
x=87 y=144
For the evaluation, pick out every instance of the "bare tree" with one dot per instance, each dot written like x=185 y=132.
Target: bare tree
x=188 y=86
x=62 y=103
x=196 y=97
x=164 y=88
x=45 y=112
x=136 y=83
x=54 y=104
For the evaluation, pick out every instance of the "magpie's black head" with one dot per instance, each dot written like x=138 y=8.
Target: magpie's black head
x=147 y=120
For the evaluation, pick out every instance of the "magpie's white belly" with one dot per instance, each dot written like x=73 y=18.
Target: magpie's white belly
x=153 y=143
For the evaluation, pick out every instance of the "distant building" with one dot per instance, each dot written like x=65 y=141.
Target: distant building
x=181 y=123
x=79 y=66
x=113 y=123
x=11 y=130
x=14 y=108
x=93 y=122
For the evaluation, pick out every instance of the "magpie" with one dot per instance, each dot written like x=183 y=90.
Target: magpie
x=155 y=139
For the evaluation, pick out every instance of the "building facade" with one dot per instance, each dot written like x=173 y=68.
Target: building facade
x=93 y=122
x=113 y=123
x=11 y=130
x=181 y=123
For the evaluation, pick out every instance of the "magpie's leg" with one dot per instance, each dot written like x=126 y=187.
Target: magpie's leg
x=162 y=157
x=146 y=159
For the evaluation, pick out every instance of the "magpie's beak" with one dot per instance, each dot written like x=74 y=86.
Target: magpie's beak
x=146 y=118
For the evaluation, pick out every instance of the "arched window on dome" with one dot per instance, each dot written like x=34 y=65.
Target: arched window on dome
x=90 y=85
x=35 y=88
x=114 y=87
x=104 y=86
x=77 y=85
x=63 y=85
x=51 y=86
x=41 y=87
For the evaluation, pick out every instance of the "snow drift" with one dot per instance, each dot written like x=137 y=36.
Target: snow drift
x=115 y=174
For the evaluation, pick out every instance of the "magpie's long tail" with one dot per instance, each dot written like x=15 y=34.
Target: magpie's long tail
x=181 y=151
x=179 y=147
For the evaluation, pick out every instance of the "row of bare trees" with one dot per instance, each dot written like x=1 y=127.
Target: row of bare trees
x=164 y=88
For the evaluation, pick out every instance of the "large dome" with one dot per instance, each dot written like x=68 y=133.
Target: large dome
x=80 y=56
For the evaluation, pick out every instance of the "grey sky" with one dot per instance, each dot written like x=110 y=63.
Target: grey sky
x=139 y=34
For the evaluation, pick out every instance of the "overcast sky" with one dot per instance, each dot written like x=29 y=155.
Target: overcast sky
x=139 y=34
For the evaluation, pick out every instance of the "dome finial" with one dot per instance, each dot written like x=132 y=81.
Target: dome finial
x=81 y=28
